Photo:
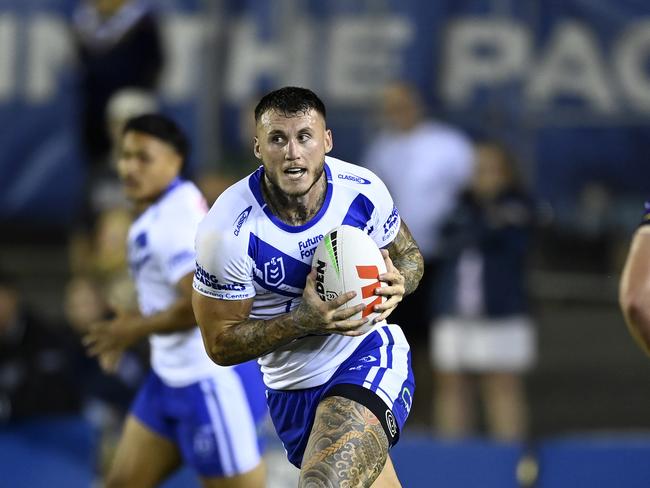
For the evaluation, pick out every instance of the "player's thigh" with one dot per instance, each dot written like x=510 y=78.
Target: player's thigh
x=388 y=477
x=143 y=458
x=347 y=445
x=255 y=478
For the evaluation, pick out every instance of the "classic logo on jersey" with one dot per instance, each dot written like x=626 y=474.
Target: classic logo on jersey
x=390 y=224
x=354 y=178
x=274 y=271
x=307 y=247
x=241 y=218
x=211 y=281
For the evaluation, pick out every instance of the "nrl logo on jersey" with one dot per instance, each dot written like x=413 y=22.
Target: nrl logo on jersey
x=274 y=271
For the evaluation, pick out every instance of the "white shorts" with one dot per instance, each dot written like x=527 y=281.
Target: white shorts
x=482 y=345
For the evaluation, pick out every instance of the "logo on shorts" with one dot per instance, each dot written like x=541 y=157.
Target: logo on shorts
x=391 y=423
x=407 y=399
x=368 y=359
x=203 y=442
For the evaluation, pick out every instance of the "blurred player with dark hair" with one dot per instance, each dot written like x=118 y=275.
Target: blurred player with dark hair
x=189 y=410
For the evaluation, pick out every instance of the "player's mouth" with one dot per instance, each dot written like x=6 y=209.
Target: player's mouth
x=295 y=173
x=130 y=183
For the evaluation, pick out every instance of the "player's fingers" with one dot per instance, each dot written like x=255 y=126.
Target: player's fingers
x=383 y=316
x=392 y=277
x=345 y=313
x=350 y=327
x=342 y=299
x=390 y=291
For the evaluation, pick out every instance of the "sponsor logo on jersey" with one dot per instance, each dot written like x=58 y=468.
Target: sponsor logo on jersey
x=307 y=247
x=274 y=271
x=211 y=281
x=389 y=225
x=354 y=178
x=241 y=218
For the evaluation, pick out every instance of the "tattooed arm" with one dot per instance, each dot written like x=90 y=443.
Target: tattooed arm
x=231 y=337
x=405 y=267
x=406 y=257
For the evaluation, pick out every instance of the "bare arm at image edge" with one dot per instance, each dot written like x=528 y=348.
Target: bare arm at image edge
x=634 y=290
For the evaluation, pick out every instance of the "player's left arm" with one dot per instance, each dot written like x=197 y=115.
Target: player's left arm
x=127 y=328
x=634 y=289
x=404 y=269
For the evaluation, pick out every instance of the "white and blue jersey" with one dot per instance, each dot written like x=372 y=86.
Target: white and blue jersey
x=244 y=252
x=185 y=397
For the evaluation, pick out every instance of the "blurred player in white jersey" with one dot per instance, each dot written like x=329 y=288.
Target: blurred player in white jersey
x=338 y=397
x=189 y=410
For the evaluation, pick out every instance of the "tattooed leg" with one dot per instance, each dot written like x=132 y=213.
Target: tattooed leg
x=347 y=446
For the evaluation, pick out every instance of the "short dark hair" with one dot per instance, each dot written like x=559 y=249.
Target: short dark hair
x=162 y=128
x=290 y=100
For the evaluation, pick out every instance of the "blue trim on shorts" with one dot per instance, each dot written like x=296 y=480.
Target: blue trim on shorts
x=182 y=415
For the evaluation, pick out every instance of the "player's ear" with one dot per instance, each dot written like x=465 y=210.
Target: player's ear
x=256 y=148
x=329 y=142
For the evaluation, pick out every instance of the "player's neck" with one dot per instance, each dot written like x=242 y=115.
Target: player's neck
x=295 y=210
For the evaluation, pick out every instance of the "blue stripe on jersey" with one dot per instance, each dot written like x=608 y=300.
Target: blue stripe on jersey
x=359 y=213
x=389 y=359
x=275 y=270
x=255 y=185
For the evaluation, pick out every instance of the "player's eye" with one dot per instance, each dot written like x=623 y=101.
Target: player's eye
x=277 y=139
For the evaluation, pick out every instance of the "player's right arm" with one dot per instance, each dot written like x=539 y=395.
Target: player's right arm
x=634 y=290
x=231 y=337
x=223 y=295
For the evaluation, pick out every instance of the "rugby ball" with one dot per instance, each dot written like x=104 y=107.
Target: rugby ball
x=347 y=259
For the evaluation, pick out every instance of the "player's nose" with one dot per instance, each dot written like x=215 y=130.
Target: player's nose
x=291 y=151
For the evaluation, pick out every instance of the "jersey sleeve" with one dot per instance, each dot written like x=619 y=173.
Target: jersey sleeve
x=223 y=268
x=175 y=246
x=385 y=217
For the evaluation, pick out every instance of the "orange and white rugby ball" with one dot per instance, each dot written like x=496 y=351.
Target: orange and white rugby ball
x=347 y=259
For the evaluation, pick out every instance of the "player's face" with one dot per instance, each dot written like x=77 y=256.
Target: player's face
x=146 y=166
x=292 y=149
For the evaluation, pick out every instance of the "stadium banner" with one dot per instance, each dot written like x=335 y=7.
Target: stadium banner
x=567 y=84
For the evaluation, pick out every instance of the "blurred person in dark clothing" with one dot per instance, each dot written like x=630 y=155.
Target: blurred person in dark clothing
x=37 y=375
x=484 y=332
x=634 y=291
x=119 y=46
